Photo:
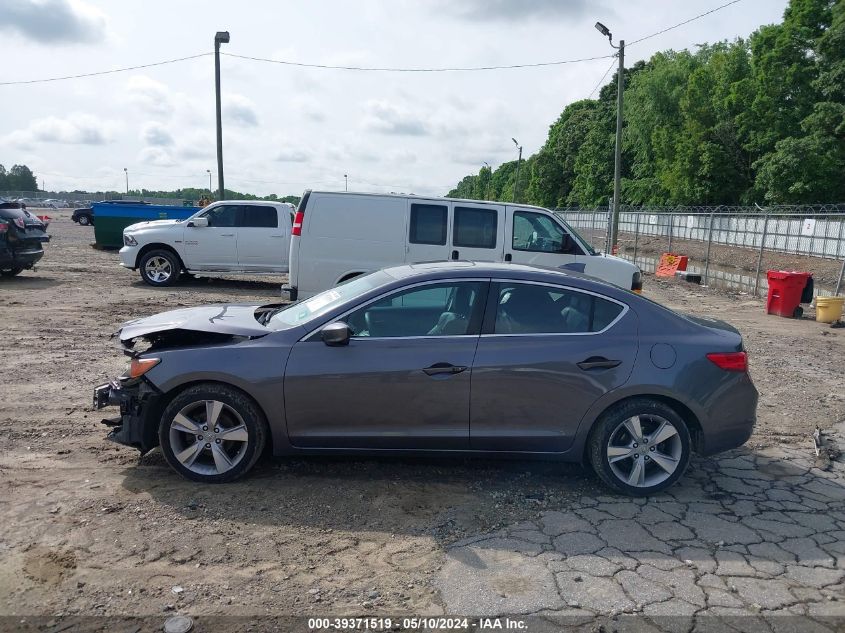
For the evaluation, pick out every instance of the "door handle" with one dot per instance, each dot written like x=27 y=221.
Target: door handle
x=508 y=257
x=455 y=255
x=444 y=368
x=227 y=235
x=598 y=362
x=277 y=236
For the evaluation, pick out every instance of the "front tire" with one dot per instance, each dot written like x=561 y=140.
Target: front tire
x=83 y=220
x=212 y=433
x=160 y=268
x=11 y=272
x=640 y=447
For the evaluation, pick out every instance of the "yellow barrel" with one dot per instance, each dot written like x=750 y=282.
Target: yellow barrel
x=829 y=309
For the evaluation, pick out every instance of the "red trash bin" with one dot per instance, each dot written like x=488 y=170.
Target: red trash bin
x=785 y=290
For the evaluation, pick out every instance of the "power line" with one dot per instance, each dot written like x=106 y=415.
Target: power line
x=103 y=72
x=388 y=69
x=693 y=19
x=593 y=91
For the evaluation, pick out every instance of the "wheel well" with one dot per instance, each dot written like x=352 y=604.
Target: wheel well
x=161 y=403
x=679 y=407
x=349 y=276
x=157 y=247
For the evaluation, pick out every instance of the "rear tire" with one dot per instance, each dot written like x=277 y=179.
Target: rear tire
x=11 y=272
x=83 y=220
x=231 y=426
x=640 y=447
x=160 y=267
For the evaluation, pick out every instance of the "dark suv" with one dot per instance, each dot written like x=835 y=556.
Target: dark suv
x=21 y=237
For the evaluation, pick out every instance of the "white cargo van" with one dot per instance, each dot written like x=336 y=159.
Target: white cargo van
x=337 y=236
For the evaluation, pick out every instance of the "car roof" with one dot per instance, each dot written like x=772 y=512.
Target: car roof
x=433 y=270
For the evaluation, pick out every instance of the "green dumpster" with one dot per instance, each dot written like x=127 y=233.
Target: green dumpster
x=110 y=218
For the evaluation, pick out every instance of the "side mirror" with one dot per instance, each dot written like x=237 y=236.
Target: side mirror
x=198 y=222
x=335 y=334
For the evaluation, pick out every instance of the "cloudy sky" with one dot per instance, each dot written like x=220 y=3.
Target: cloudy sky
x=285 y=128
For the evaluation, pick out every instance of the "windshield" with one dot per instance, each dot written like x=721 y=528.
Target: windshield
x=303 y=311
x=577 y=236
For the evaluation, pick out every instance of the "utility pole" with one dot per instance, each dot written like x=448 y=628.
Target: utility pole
x=221 y=37
x=617 y=159
x=126 y=172
x=518 y=161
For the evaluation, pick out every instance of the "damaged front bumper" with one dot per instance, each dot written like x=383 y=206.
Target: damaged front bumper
x=136 y=426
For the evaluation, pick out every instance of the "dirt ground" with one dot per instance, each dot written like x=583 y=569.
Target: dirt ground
x=825 y=271
x=91 y=529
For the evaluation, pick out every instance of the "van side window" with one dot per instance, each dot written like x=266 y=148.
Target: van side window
x=538 y=233
x=259 y=217
x=428 y=224
x=475 y=228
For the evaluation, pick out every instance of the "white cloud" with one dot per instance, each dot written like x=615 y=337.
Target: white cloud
x=156 y=134
x=75 y=129
x=290 y=155
x=53 y=21
x=508 y=10
x=240 y=110
x=156 y=156
x=149 y=95
x=389 y=118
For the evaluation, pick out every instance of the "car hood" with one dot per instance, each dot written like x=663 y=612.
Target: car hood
x=232 y=320
x=151 y=224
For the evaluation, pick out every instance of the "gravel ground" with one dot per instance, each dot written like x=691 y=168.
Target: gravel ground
x=90 y=529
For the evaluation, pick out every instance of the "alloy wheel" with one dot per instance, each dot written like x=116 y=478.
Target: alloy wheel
x=208 y=437
x=158 y=269
x=644 y=450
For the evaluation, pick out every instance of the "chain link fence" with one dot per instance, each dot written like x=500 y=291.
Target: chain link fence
x=730 y=246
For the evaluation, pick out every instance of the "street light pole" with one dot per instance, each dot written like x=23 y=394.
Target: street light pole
x=210 y=191
x=221 y=37
x=617 y=159
x=126 y=172
x=345 y=182
x=518 y=161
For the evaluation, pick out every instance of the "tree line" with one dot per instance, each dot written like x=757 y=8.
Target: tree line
x=760 y=119
x=18 y=178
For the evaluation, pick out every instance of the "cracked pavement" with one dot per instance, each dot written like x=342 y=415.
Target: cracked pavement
x=741 y=534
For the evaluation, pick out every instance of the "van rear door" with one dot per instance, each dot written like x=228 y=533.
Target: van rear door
x=478 y=232
x=428 y=231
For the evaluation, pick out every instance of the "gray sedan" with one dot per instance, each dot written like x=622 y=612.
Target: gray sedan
x=457 y=357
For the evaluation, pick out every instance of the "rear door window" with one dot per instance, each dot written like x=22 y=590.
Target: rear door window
x=259 y=217
x=536 y=309
x=475 y=227
x=428 y=224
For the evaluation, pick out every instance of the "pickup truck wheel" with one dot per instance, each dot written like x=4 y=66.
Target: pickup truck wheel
x=160 y=268
x=83 y=220
x=212 y=433
x=11 y=272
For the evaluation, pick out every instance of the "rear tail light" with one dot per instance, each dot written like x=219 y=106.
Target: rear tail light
x=297 y=223
x=3 y=227
x=20 y=222
x=729 y=361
